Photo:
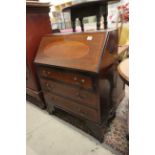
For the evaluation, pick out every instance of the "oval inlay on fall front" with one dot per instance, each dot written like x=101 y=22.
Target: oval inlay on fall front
x=66 y=50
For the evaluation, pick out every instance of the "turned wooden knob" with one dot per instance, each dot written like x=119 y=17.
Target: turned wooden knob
x=44 y=72
x=83 y=81
x=47 y=84
x=75 y=78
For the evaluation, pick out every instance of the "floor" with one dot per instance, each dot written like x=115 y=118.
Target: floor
x=49 y=135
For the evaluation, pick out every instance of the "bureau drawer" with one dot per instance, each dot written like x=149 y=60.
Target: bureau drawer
x=67 y=77
x=73 y=107
x=87 y=98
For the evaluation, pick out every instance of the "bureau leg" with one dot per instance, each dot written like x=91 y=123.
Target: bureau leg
x=35 y=101
x=51 y=109
x=96 y=130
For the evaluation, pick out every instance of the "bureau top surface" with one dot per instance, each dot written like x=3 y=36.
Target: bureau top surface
x=82 y=51
x=37 y=4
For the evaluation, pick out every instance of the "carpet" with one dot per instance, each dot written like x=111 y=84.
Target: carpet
x=116 y=135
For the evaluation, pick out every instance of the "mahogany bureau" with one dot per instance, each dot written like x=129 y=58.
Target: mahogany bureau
x=77 y=74
x=37 y=25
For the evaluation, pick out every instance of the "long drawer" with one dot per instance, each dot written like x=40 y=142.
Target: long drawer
x=87 y=98
x=67 y=77
x=73 y=107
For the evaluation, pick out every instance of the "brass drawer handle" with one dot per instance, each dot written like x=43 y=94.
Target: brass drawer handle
x=44 y=72
x=83 y=81
x=75 y=78
x=49 y=86
x=81 y=96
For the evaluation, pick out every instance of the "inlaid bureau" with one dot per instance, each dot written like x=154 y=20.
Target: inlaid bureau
x=37 y=25
x=77 y=73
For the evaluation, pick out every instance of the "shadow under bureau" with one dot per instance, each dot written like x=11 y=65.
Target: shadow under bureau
x=77 y=73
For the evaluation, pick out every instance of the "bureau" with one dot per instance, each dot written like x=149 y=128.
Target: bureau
x=77 y=73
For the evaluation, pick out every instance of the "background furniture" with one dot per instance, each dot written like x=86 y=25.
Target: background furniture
x=78 y=73
x=123 y=45
x=123 y=70
x=37 y=25
x=97 y=7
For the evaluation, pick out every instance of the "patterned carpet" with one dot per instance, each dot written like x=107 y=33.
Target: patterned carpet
x=116 y=136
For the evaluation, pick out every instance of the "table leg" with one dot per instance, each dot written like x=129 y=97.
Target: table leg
x=98 y=19
x=81 y=24
x=73 y=24
x=105 y=14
